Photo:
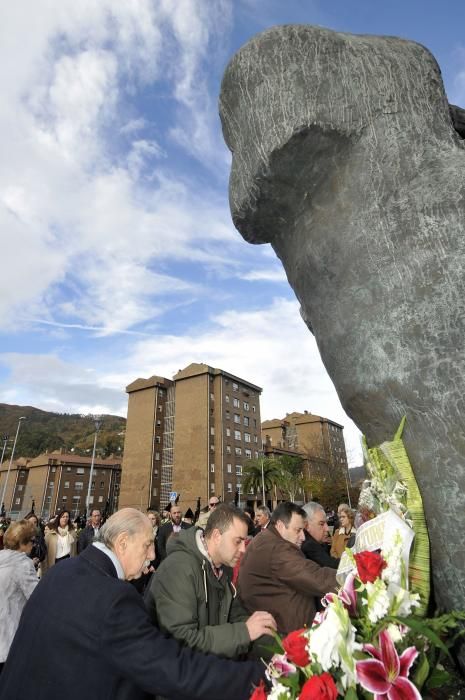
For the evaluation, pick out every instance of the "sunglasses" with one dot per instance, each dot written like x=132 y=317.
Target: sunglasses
x=212 y=505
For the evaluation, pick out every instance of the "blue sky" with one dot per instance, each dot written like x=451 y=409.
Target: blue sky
x=118 y=256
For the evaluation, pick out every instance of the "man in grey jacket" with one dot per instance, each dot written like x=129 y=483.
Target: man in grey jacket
x=192 y=597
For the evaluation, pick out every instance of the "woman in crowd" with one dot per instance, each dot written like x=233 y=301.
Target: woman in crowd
x=60 y=540
x=39 y=548
x=18 y=579
x=345 y=535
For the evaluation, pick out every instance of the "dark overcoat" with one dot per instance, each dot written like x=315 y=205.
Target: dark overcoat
x=84 y=633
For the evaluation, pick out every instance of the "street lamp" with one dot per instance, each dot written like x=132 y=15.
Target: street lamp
x=5 y=439
x=11 y=458
x=97 y=428
x=262 y=460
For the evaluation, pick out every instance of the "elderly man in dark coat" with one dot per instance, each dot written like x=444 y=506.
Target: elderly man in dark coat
x=85 y=630
x=275 y=576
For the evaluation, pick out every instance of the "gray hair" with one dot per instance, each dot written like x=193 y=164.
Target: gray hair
x=127 y=520
x=311 y=508
x=265 y=510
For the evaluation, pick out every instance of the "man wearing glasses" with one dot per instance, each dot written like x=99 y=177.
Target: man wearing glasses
x=203 y=518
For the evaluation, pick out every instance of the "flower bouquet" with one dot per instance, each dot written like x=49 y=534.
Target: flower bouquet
x=372 y=639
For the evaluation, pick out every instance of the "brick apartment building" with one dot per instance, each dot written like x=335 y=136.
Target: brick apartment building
x=318 y=440
x=189 y=435
x=57 y=480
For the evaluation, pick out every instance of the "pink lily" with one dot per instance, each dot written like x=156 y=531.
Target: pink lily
x=347 y=595
x=386 y=674
x=280 y=666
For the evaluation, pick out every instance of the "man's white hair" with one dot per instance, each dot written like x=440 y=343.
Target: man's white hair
x=127 y=520
x=311 y=508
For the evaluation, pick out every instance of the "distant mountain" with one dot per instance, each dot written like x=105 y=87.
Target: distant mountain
x=44 y=431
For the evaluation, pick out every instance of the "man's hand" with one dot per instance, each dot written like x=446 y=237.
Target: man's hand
x=260 y=623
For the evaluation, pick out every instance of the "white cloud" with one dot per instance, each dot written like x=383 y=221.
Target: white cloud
x=82 y=219
x=270 y=275
x=270 y=347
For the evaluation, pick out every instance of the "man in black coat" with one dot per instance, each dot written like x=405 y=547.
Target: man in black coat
x=85 y=630
x=175 y=524
x=316 y=535
x=86 y=536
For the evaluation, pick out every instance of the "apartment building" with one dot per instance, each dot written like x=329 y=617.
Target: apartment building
x=189 y=436
x=58 y=480
x=319 y=440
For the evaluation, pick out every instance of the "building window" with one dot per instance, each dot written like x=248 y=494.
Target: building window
x=154 y=492
x=228 y=449
x=54 y=469
x=248 y=454
x=76 y=499
x=237 y=418
x=80 y=470
x=226 y=415
x=212 y=397
x=238 y=470
x=256 y=454
x=64 y=499
x=212 y=467
x=226 y=398
x=102 y=484
x=254 y=409
x=17 y=501
x=212 y=487
x=238 y=450
x=66 y=484
x=158 y=423
x=251 y=490
x=229 y=468
x=246 y=421
x=91 y=499
x=157 y=456
x=228 y=432
x=246 y=406
x=247 y=437
x=20 y=488
x=22 y=472
x=79 y=485
x=51 y=484
x=157 y=439
x=160 y=407
x=229 y=487
x=239 y=486
x=155 y=472
x=100 y=499
x=237 y=435
x=254 y=422
x=235 y=386
x=92 y=486
x=236 y=403
x=212 y=430
x=255 y=438
x=68 y=469
x=212 y=448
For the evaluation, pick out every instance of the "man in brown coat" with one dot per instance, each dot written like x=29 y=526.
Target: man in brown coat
x=275 y=575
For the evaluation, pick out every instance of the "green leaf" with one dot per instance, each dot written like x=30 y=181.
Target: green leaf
x=420 y=627
x=421 y=671
x=438 y=679
x=351 y=694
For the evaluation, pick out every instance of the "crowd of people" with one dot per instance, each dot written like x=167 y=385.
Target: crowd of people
x=156 y=605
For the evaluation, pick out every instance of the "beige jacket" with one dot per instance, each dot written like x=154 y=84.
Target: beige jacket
x=51 y=542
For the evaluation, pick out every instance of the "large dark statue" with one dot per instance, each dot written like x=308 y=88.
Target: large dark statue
x=348 y=159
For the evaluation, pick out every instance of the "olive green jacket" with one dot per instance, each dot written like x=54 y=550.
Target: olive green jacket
x=186 y=600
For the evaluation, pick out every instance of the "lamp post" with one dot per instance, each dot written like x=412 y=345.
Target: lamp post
x=262 y=459
x=97 y=428
x=11 y=458
x=5 y=439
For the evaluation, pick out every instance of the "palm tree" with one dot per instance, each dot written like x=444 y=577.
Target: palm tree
x=260 y=474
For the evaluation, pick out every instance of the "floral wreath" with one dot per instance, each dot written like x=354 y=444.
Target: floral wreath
x=373 y=639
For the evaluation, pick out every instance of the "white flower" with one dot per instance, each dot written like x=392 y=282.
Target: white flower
x=279 y=692
x=402 y=601
x=333 y=641
x=395 y=632
x=378 y=600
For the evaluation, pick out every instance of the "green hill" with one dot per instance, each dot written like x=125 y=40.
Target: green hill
x=44 y=431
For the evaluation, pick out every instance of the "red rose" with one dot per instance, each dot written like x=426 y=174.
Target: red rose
x=319 y=688
x=369 y=566
x=295 y=647
x=259 y=692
